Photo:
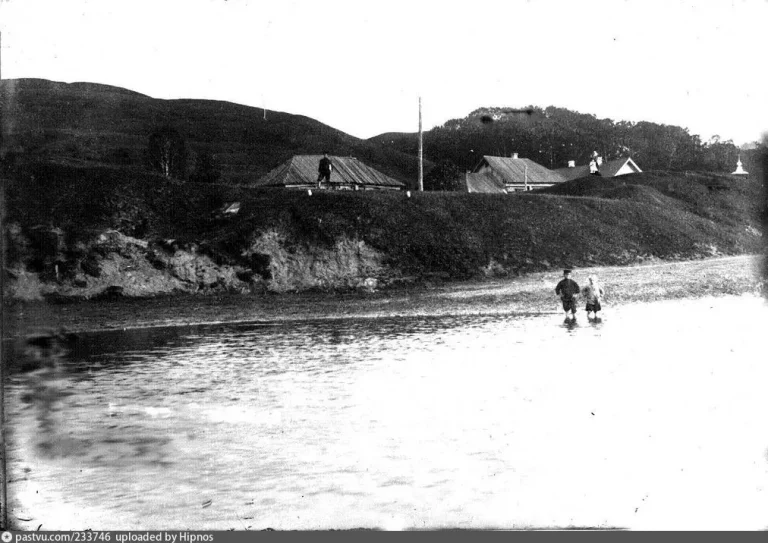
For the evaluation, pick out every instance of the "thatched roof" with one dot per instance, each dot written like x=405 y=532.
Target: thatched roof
x=301 y=171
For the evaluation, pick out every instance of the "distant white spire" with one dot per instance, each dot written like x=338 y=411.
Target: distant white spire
x=739 y=169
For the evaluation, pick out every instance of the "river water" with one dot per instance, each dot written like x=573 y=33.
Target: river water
x=653 y=418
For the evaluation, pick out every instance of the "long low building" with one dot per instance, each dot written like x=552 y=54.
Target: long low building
x=301 y=171
x=502 y=175
x=611 y=168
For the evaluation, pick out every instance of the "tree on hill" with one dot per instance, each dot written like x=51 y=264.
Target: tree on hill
x=445 y=176
x=168 y=152
x=207 y=168
x=553 y=136
x=719 y=155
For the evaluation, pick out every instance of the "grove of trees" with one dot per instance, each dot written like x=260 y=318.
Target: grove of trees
x=167 y=152
x=444 y=176
x=553 y=136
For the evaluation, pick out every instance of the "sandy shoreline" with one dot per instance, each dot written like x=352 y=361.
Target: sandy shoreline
x=533 y=294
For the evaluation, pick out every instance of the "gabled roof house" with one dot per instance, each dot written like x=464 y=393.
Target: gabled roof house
x=611 y=168
x=300 y=172
x=501 y=175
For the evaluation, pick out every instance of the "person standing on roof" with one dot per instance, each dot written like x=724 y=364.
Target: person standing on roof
x=595 y=163
x=324 y=169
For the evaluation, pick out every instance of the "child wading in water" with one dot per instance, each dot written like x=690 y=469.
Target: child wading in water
x=568 y=289
x=593 y=293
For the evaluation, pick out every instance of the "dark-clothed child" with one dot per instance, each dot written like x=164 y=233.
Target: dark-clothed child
x=568 y=289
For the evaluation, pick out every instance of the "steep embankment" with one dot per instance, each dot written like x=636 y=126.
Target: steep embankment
x=110 y=231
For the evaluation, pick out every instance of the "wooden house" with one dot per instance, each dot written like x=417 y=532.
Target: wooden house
x=502 y=175
x=611 y=168
x=300 y=172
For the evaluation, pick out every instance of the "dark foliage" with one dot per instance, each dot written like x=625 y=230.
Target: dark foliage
x=167 y=153
x=207 y=168
x=444 y=176
x=553 y=136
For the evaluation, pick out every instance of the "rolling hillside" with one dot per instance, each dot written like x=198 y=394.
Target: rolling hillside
x=90 y=124
x=723 y=199
x=59 y=217
x=84 y=213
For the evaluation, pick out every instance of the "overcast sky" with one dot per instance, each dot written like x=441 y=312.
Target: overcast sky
x=360 y=66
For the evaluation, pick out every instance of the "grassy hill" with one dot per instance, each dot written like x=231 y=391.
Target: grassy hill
x=75 y=166
x=585 y=222
x=89 y=124
x=723 y=199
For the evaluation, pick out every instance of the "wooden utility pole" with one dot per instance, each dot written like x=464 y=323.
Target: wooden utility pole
x=421 y=152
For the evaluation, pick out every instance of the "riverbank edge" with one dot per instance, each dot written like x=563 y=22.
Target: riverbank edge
x=529 y=294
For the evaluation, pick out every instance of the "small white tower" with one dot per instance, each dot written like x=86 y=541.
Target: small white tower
x=739 y=169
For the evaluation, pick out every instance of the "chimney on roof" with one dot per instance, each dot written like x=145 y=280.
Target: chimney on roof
x=514 y=156
x=571 y=163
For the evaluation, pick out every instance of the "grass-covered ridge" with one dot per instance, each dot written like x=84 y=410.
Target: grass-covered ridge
x=455 y=235
x=91 y=124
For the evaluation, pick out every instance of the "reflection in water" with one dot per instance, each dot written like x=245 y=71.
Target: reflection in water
x=399 y=422
x=570 y=323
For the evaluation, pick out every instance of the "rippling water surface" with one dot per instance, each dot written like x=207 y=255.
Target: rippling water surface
x=653 y=418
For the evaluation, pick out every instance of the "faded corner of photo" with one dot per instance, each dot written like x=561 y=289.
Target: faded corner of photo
x=763 y=161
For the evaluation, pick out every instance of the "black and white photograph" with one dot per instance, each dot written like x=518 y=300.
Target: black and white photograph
x=394 y=266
